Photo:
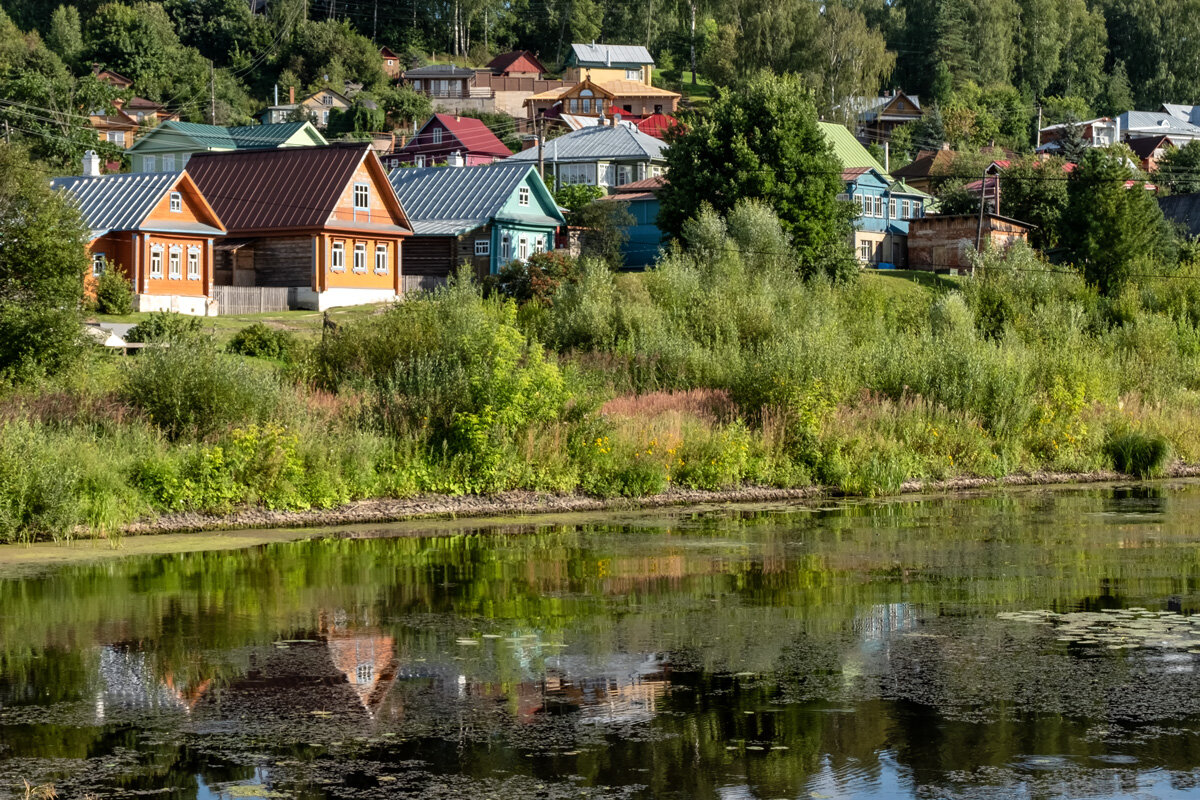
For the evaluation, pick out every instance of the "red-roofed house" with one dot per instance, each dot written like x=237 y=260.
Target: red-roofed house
x=517 y=64
x=391 y=62
x=446 y=135
x=656 y=125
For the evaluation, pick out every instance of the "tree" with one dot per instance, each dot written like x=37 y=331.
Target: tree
x=762 y=142
x=137 y=41
x=853 y=61
x=607 y=223
x=1110 y=225
x=1034 y=191
x=1072 y=144
x=43 y=257
x=65 y=36
x=576 y=196
x=1179 y=169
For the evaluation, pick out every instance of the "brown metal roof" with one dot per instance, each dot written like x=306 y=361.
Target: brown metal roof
x=289 y=187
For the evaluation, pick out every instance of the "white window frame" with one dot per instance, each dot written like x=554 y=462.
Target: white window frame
x=325 y=117
x=327 y=99
x=523 y=247
x=168 y=162
x=633 y=74
x=176 y=203
x=861 y=203
x=904 y=209
x=381 y=259
x=362 y=196
x=175 y=263
x=866 y=249
x=878 y=201
x=156 y=261
x=116 y=137
x=891 y=208
x=419 y=161
x=436 y=134
x=483 y=247
x=337 y=256
x=193 y=263
x=523 y=196
x=99 y=262
x=506 y=248
x=360 y=257
x=148 y=164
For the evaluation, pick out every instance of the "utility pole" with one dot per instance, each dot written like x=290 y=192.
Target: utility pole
x=541 y=141
x=982 y=202
x=7 y=133
x=212 y=92
x=375 y=22
x=1039 y=128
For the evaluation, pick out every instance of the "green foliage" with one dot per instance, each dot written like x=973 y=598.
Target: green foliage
x=762 y=142
x=189 y=389
x=535 y=279
x=114 y=292
x=356 y=120
x=1179 y=169
x=164 y=326
x=1036 y=191
x=605 y=224
x=577 y=196
x=262 y=341
x=42 y=263
x=1136 y=453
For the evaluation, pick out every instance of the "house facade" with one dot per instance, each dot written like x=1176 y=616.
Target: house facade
x=879 y=116
x=155 y=228
x=484 y=216
x=595 y=98
x=944 y=243
x=322 y=221
x=169 y=146
x=603 y=155
x=391 y=62
x=447 y=137
x=607 y=62
x=517 y=64
x=645 y=240
x=316 y=107
x=885 y=209
x=440 y=80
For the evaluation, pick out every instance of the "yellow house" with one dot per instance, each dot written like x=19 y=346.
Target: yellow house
x=608 y=62
x=317 y=106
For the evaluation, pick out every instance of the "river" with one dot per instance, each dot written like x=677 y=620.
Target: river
x=1031 y=644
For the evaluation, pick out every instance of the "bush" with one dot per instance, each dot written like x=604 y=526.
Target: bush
x=262 y=341
x=189 y=389
x=114 y=293
x=1136 y=453
x=164 y=326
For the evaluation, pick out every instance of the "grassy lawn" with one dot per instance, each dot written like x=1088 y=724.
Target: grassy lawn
x=929 y=280
x=302 y=323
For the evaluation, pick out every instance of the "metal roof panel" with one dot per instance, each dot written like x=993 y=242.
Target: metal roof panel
x=116 y=202
x=592 y=143
x=456 y=198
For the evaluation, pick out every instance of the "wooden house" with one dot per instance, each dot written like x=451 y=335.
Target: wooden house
x=391 y=62
x=944 y=243
x=645 y=239
x=156 y=228
x=169 y=146
x=517 y=64
x=315 y=107
x=440 y=80
x=878 y=116
x=603 y=155
x=595 y=98
x=321 y=221
x=449 y=137
x=485 y=216
x=607 y=62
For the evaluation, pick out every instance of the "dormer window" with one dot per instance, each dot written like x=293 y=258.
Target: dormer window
x=327 y=99
x=176 y=202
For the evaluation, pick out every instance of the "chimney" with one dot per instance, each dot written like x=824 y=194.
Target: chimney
x=292 y=95
x=91 y=164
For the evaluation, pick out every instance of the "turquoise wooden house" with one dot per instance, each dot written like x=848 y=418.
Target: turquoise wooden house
x=485 y=216
x=645 y=240
x=168 y=147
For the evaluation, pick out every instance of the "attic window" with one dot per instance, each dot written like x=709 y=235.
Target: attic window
x=633 y=74
x=523 y=196
x=327 y=99
x=437 y=135
x=362 y=197
x=176 y=202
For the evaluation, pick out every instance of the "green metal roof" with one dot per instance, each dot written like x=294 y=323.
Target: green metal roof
x=247 y=137
x=904 y=188
x=848 y=149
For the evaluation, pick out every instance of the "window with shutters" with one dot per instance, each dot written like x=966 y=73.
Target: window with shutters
x=193 y=264
x=175 y=263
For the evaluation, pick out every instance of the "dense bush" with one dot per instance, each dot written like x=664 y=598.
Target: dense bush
x=114 y=293
x=1136 y=453
x=164 y=326
x=261 y=341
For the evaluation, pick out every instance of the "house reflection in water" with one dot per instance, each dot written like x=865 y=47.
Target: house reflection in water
x=365 y=657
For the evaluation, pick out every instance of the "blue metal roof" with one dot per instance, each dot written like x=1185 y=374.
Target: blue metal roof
x=452 y=200
x=606 y=55
x=122 y=202
x=620 y=142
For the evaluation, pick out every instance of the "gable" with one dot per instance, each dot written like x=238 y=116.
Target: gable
x=541 y=202
x=868 y=180
x=194 y=209
x=383 y=207
x=901 y=104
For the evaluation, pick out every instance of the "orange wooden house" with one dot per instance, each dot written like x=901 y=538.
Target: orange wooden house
x=322 y=221
x=156 y=228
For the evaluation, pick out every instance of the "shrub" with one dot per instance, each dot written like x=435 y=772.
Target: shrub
x=262 y=341
x=1136 y=453
x=164 y=326
x=189 y=389
x=114 y=293
x=36 y=485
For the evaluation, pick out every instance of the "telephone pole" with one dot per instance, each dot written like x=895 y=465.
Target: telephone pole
x=541 y=141
x=212 y=92
x=1039 y=128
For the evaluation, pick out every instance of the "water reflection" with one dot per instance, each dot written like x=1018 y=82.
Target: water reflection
x=853 y=652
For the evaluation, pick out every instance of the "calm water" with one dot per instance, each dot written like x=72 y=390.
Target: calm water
x=863 y=651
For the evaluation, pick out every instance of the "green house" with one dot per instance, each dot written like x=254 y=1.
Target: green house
x=169 y=146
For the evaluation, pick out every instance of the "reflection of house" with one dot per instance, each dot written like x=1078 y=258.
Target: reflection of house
x=444 y=136
x=600 y=156
x=169 y=146
x=879 y=116
x=945 y=242
x=645 y=239
x=484 y=216
x=322 y=221
x=366 y=658
x=157 y=228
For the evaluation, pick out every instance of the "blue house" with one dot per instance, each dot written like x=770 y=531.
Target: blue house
x=484 y=216
x=884 y=206
x=645 y=239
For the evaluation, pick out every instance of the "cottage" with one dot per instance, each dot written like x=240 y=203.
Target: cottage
x=128 y=119
x=485 y=216
x=322 y=221
x=169 y=146
x=391 y=62
x=606 y=62
x=1137 y=124
x=645 y=239
x=446 y=137
x=602 y=99
x=879 y=116
x=517 y=64
x=944 y=243
x=316 y=107
x=440 y=80
x=155 y=228
x=600 y=156
x=1098 y=132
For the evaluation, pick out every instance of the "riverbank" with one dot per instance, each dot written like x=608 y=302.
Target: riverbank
x=510 y=504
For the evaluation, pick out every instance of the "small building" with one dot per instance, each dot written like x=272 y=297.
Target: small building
x=129 y=118
x=391 y=62
x=321 y=221
x=607 y=62
x=1098 y=132
x=485 y=216
x=111 y=78
x=517 y=64
x=604 y=155
x=603 y=99
x=447 y=137
x=440 y=80
x=879 y=116
x=944 y=243
x=155 y=228
x=169 y=146
x=645 y=239
x=1149 y=149
x=316 y=107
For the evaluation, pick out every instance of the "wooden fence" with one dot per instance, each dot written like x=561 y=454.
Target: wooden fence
x=253 y=299
x=423 y=283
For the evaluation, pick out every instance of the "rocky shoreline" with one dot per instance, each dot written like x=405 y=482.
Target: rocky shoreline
x=523 y=503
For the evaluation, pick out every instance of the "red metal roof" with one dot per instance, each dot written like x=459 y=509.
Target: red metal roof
x=644 y=185
x=516 y=61
x=656 y=125
x=287 y=187
x=474 y=138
